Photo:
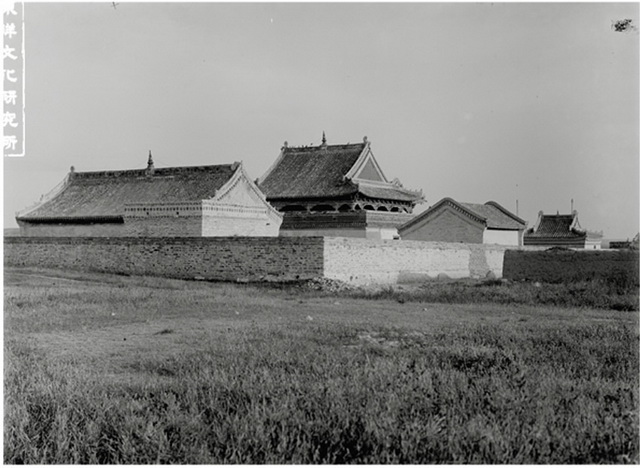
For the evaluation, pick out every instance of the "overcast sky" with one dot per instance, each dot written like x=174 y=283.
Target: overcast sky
x=504 y=101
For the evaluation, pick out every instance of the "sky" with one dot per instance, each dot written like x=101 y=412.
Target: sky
x=537 y=102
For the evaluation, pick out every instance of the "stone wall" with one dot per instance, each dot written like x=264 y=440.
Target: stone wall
x=222 y=258
x=565 y=265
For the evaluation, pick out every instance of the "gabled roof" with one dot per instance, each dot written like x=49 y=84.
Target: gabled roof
x=491 y=214
x=330 y=171
x=558 y=226
x=495 y=215
x=104 y=194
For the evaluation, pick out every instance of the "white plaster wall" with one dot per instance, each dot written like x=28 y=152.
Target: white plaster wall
x=363 y=261
x=593 y=245
x=381 y=233
x=495 y=260
x=491 y=236
x=220 y=226
x=368 y=261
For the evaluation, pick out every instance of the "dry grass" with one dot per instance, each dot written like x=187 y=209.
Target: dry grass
x=109 y=369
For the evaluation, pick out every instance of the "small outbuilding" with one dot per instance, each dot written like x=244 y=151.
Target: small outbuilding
x=561 y=230
x=193 y=201
x=474 y=223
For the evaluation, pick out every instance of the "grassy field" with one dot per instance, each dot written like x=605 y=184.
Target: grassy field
x=111 y=369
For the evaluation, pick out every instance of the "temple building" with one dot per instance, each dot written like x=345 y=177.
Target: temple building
x=561 y=230
x=195 y=201
x=475 y=223
x=336 y=190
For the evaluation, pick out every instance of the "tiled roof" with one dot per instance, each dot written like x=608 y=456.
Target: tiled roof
x=556 y=226
x=319 y=172
x=495 y=217
x=312 y=172
x=388 y=193
x=104 y=194
x=490 y=214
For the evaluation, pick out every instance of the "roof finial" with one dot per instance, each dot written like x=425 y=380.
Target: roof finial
x=150 y=168
x=365 y=139
x=324 y=139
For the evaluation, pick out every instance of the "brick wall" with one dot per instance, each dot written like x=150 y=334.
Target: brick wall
x=28 y=229
x=222 y=258
x=558 y=265
x=177 y=226
x=354 y=260
x=364 y=261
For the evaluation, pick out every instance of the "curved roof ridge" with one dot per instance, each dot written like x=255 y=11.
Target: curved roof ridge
x=445 y=201
x=144 y=172
x=505 y=211
x=488 y=214
x=468 y=209
x=314 y=148
x=497 y=217
x=51 y=194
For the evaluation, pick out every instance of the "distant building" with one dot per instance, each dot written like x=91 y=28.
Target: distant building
x=452 y=221
x=561 y=230
x=336 y=190
x=628 y=244
x=193 y=201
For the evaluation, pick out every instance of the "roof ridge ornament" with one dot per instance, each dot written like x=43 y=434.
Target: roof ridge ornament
x=150 y=167
x=324 y=140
